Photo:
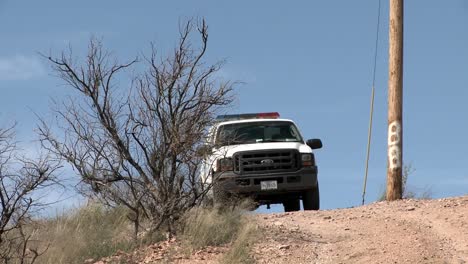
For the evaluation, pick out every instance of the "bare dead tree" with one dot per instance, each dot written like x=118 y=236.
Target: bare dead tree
x=20 y=180
x=137 y=146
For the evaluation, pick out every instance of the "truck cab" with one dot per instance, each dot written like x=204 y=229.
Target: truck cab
x=262 y=157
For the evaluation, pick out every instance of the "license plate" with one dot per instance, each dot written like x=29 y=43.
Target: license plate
x=268 y=185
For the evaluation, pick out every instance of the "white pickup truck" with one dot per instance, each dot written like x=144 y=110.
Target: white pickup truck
x=262 y=157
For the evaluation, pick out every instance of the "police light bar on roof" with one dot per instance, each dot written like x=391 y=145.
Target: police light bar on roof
x=269 y=115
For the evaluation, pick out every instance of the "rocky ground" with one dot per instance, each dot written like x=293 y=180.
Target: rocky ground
x=166 y=252
x=407 y=231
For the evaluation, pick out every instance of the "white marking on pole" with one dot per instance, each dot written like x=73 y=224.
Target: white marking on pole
x=394 y=150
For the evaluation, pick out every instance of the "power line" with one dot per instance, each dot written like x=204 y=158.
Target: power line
x=369 y=136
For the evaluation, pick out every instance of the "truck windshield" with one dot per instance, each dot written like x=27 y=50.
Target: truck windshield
x=257 y=132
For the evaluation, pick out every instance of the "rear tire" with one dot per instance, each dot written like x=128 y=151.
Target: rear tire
x=311 y=199
x=292 y=205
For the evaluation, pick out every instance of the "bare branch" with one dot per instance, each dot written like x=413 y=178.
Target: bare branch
x=139 y=151
x=20 y=180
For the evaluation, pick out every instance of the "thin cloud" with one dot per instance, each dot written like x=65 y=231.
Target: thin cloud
x=20 y=67
x=235 y=75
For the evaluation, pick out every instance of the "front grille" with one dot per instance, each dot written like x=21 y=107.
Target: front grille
x=266 y=161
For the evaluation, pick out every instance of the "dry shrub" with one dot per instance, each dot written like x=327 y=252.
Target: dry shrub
x=239 y=251
x=413 y=193
x=211 y=226
x=137 y=144
x=22 y=180
x=217 y=226
x=89 y=232
x=95 y=231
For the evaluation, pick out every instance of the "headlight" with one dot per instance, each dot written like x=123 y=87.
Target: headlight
x=307 y=159
x=225 y=164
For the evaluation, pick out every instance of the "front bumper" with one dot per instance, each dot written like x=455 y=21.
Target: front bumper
x=249 y=184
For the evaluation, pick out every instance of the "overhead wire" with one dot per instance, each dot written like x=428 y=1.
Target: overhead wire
x=369 y=134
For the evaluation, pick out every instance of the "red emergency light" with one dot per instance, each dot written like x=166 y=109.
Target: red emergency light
x=272 y=115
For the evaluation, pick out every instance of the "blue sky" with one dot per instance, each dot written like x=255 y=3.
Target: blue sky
x=309 y=60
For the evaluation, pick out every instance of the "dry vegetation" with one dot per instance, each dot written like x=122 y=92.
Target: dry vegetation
x=89 y=232
x=94 y=232
x=22 y=180
x=221 y=226
x=241 y=247
x=136 y=149
x=407 y=191
x=138 y=143
x=210 y=227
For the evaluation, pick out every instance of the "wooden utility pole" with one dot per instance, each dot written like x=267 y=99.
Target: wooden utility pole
x=395 y=102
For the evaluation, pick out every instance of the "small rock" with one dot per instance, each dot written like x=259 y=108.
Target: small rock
x=284 y=246
x=410 y=209
x=327 y=217
x=278 y=223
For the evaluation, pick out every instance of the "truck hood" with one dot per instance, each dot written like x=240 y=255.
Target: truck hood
x=228 y=151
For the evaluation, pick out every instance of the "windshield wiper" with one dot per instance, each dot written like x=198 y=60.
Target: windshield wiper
x=273 y=140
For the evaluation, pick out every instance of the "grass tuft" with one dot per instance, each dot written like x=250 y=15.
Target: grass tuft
x=211 y=227
x=239 y=251
x=204 y=227
x=93 y=232
x=89 y=232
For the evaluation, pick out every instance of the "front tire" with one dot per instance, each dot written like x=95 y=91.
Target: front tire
x=311 y=199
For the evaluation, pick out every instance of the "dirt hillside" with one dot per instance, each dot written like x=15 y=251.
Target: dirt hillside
x=406 y=231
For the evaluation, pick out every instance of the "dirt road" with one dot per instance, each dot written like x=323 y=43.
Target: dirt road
x=407 y=231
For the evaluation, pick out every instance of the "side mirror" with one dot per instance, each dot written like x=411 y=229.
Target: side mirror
x=314 y=143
